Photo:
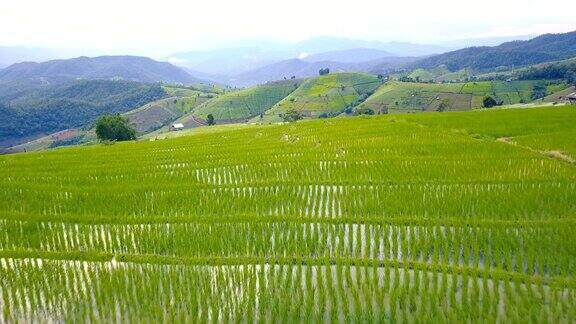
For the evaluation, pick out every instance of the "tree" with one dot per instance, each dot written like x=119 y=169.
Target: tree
x=292 y=116
x=571 y=77
x=444 y=105
x=489 y=102
x=538 y=91
x=364 y=111
x=114 y=128
x=324 y=71
x=210 y=120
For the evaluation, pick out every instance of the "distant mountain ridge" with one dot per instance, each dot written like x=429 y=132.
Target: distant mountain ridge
x=302 y=68
x=354 y=55
x=226 y=62
x=544 y=48
x=17 y=54
x=130 y=68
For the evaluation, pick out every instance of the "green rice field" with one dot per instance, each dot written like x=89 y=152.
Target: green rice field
x=441 y=217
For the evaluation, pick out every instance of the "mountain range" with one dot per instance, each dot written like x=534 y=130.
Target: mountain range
x=17 y=54
x=227 y=63
x=130 y=68
x=354 y=55
x=39 y=98
x=544 y=48
x=247 y=66
x=308 y=67
x=251 y=66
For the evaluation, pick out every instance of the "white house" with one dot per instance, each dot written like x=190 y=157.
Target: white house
x=177 y=127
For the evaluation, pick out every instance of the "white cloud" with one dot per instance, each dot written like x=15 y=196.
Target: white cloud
x=163 y=27
x=303 y=56
x=176 y=60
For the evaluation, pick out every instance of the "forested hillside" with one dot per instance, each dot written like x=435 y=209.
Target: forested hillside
x=46 y=109
x=545 y=48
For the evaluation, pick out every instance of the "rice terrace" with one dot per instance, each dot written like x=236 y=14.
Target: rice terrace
x=396 y=218
x=256 y=162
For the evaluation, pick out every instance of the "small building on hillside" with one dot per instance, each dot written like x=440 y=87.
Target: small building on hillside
x=572 y=98
x=177 y=127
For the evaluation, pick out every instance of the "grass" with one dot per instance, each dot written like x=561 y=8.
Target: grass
x=406 y=217
x=522 y=126
x=198 y=130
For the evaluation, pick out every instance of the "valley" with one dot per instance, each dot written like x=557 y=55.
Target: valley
x=36 y=99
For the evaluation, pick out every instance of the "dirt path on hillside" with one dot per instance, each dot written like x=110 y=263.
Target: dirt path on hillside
x=554 y=154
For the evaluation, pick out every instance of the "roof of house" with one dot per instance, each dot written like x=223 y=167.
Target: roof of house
x=571 y=96
x=178 y=125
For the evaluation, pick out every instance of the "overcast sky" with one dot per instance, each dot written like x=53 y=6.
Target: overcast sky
x=164 y=26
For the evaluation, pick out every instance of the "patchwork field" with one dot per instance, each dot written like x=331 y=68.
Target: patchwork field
x=395 y=96
x=73 y=136
x=438 y=74
x=160 y=113
x=247 y=103
x=453 y=217
x=326 y=94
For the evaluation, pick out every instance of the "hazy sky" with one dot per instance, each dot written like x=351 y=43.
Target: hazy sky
x=164 y=26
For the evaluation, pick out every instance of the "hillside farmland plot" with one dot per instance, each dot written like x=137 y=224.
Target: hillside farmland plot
x=437 y=74
x=247 y=103
x=326 y=94
x=388 y=218
x=395 y=96
x=159 y=113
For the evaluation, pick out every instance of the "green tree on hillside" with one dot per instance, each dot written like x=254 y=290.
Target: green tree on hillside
x=489 y=102
x=444 y=105
x=538 y=91
x=292 y=116
x=210 y=120
x=324 y=71
x=571 y=78
x=364 y=111
x=114 y=128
